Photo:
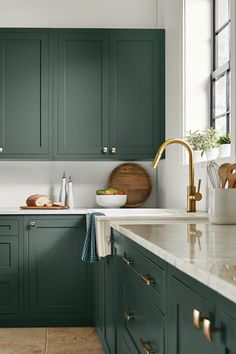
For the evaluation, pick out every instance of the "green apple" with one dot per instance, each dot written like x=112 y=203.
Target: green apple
x=100 y=192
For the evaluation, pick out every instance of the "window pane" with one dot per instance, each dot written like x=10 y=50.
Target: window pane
x=220 y=96
x=220 y=125
x=222 y=42
x=222 y=12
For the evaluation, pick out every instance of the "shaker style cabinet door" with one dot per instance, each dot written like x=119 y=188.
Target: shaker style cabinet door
x=24 y=95
x=82 y=95
x=183 y=337
x=58 y=282
x=137 y=93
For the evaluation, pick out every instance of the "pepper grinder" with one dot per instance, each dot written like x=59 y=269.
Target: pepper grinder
x=62 y=196
x=70 y=198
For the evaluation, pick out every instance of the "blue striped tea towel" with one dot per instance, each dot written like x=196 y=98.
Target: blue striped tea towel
x=89 y=253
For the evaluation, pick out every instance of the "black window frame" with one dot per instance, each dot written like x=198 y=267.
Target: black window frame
x=223 y=70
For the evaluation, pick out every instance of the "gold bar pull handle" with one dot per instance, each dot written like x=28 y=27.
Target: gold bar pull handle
x=209 y=329
x=145 y=345
x=147 y=279
x=197 y=319
x=105 y=149
x=128 y=261
x=128 y=315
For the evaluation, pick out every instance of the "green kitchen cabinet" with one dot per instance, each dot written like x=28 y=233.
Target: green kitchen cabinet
x=137 y=93
x=11 y=269
x=183 y=336
x=105 y=303
x=109 y=94
x=57 y=281
x=225 y=339
x=82 y=89
x=25 y=94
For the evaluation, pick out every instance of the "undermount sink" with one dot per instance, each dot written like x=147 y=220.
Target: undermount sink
x=151 y=213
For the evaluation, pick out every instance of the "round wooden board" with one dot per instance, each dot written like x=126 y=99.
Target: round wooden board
x=132 y=179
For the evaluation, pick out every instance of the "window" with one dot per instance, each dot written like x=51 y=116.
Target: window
x=221 y=75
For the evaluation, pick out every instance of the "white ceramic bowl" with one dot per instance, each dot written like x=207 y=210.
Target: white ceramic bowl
x=111 y=201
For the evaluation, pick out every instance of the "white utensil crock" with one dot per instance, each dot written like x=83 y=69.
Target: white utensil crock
x=222 y=203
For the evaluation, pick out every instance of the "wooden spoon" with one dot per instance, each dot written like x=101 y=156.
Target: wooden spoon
x=223 y=173
x=231 y=175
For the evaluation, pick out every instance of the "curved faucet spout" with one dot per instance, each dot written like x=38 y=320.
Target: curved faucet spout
x=193 y=196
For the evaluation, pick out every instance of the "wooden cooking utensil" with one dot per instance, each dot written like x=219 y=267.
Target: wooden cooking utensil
x=231 y=175
x=223 y=173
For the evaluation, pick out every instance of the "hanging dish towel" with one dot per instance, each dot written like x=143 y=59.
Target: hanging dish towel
x=89 y=253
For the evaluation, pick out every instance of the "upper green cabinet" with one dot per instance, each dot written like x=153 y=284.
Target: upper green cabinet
x=137 y=89
x=24 y=95
x=81 y=94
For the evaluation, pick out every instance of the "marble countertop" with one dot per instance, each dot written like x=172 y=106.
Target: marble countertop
x=111 y=214
x=202 y=250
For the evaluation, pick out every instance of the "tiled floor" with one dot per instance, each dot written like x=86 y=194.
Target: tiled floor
x=63 y=340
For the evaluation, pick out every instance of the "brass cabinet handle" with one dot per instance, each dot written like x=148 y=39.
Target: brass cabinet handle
x=105 y=149
x=1 y=149
x=147 y=279
x=128 y=315
x=197 y=319
x=128 y=261
x=209 y=329
x=113 y=150
x=32 y=223
x=146 y=347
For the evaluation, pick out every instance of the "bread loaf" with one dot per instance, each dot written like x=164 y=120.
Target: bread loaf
x=39 y=200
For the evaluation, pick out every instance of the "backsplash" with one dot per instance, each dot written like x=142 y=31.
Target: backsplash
x=19 y=179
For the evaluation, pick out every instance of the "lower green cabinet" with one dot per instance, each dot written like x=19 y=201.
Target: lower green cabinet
x=11 y=269
x=183 y=305
x=57 y=280
x=225 y=339
x=105 y=303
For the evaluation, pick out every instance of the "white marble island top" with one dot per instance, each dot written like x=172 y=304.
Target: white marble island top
x=202 y=250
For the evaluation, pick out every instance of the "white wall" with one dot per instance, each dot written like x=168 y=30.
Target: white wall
x=78 y=13
x=19 y=179
x=172 y=174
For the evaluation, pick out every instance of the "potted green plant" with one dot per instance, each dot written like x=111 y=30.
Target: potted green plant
x=225 y=145
x=211 y=144
x=196 y=141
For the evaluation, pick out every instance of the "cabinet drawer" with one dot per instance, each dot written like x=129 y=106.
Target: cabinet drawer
x=9 y=227
x=8 y=255
x=142 y=321
x=149 y=276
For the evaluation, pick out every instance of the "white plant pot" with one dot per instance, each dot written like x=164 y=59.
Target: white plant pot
x=212 y=154
x=225 y=150
x=198 y=156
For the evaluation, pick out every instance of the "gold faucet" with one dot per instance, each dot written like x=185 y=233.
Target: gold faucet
x=192 y=195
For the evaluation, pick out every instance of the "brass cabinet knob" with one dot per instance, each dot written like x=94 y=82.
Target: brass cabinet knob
x=128 y=261
x=1 y=149
x=197 y=319
x=32 y=223
x=128 y=315
x=105 y=149
x=113 y=150
x=147 y=279
x=209 y=329
x=145 y=345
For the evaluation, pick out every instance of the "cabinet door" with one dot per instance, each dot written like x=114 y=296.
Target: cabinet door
x=24 y=95
x=82 y=84
x=137 y=92
x=100 y=297
x=225 y=340
x=183 y=337
x=59 y=282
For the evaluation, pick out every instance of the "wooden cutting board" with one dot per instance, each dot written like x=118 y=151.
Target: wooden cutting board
x=45 y=208
x=132 y=179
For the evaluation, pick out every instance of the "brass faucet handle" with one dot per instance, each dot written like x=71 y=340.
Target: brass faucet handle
x=198 y=195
